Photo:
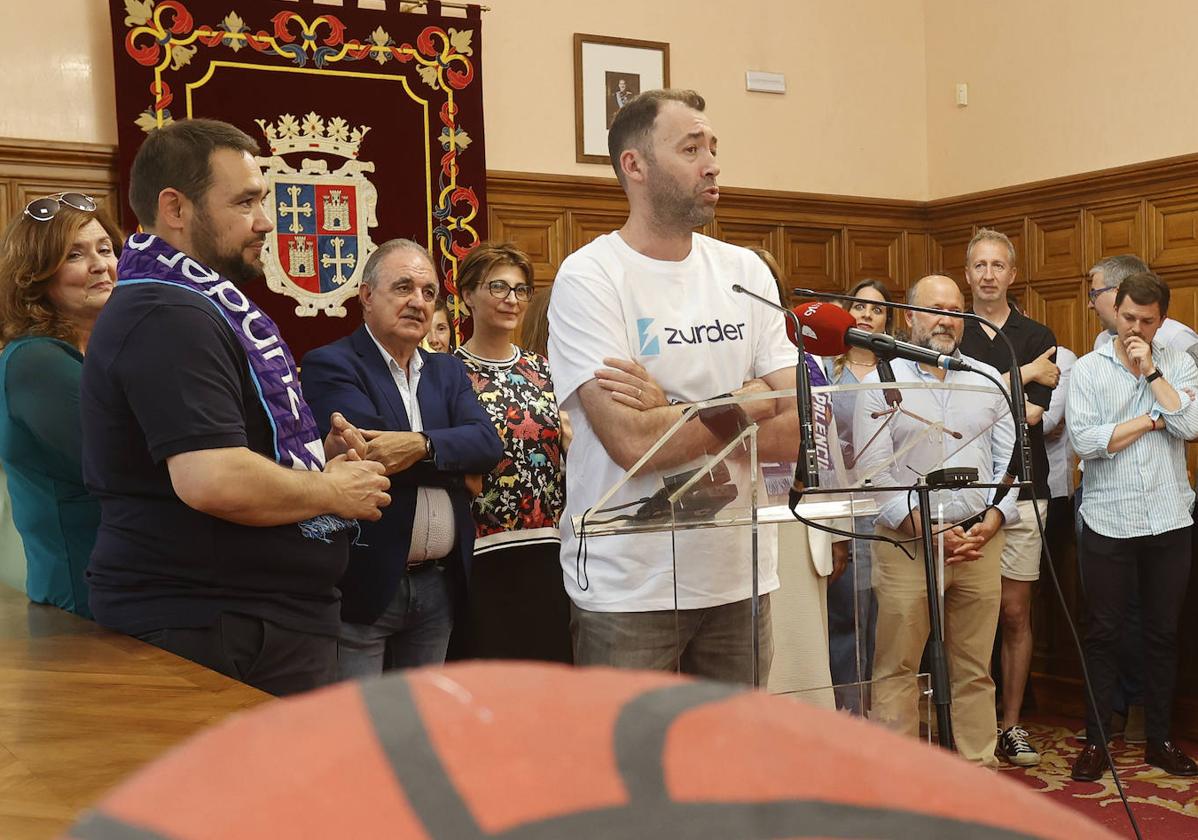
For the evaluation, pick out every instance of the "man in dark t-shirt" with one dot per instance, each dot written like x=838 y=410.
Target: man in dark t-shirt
x=990 y=270
x=200 y=550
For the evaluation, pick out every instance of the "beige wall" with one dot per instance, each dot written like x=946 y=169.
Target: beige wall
x=853 y=121
x=1056 y=88
x=58 y=86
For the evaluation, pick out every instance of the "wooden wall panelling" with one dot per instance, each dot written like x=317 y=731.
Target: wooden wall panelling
x=948 y=252
x=33 y=168
x=1054 y=304
x=876 y=254
x=1056 y=246
x=587 y=226
x=765 y=234
x=1115 y=229
x=1173 y=230
x=918 y=262
x=812 y=258
x=1183 y=299
x=539 y=233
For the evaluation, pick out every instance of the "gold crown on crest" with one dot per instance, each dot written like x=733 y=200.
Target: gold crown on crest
x=313 y=134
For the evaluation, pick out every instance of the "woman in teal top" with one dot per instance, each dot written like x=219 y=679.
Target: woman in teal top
x=57 y=270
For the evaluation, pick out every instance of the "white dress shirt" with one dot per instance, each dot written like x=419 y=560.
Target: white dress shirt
x=1056 y=439
x=986 y=442
x=433 y=527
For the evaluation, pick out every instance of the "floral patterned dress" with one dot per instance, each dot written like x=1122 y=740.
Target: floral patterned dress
x=518 y=605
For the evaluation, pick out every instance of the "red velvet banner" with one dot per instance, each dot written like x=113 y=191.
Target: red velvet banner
x=370 y=122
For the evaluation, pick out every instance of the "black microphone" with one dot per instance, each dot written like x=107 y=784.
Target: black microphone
x=806 y=467
x=888 y=347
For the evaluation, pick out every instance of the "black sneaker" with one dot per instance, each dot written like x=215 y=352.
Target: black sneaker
x=1014 y=746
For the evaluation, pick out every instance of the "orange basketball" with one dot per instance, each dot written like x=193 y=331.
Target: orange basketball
x=530 y=751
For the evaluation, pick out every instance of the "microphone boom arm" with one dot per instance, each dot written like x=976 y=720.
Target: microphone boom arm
x=807 y=467
x=1018 y=406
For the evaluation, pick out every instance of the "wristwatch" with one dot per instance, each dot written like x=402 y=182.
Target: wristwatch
x=1152 y=377
x=430 y=453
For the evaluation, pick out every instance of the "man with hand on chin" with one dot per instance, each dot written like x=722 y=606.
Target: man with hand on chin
x=978 y=433
x=1129 y=414
x=224 y=518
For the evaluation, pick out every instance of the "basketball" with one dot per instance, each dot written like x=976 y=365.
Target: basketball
x=540 y=751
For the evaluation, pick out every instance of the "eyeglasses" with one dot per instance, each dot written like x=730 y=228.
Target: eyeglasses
x=501 y=290
x=45 y=209
x=1097 y=293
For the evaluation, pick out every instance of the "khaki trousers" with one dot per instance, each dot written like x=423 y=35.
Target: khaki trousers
x=972 y=592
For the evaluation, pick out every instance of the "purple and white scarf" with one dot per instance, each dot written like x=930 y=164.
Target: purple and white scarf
x=297 y=443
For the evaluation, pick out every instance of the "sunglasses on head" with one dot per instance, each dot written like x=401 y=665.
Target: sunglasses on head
x=45 y=209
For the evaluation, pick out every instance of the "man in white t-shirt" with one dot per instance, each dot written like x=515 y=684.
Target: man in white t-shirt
x=658 y=294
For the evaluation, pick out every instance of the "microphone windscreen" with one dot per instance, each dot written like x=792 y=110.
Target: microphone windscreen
x=824 y=326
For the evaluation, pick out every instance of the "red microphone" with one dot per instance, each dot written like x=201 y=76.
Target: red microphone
x=824 y=328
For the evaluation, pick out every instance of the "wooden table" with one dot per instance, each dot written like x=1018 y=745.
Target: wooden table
x=82 y=707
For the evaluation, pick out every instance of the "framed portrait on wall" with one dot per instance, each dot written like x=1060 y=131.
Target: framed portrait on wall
x=607 y=73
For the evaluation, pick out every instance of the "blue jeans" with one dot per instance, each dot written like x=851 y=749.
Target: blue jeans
x=852 y=619
x=412 y=631
x=713 y=642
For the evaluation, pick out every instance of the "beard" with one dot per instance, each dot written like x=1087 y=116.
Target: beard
x=672 y=206
x=205 y=239
x=941 y=340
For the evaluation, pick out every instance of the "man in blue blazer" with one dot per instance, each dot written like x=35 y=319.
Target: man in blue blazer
x=422 y=421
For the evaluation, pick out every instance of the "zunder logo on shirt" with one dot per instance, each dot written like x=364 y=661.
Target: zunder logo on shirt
x=713 y=333
x=649 y=345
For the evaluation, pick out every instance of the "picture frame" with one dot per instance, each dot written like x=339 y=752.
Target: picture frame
x=607 y=72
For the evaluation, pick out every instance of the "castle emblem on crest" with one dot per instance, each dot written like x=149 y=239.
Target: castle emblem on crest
x=322 y=218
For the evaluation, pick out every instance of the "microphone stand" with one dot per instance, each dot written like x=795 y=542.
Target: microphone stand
x=941 y=687
x=806 y=467
x=1018 y=409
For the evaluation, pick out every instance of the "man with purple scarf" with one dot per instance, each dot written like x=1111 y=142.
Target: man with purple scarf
x=225 y=519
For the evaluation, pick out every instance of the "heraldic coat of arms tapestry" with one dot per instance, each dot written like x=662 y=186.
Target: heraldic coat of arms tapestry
x=369 y=121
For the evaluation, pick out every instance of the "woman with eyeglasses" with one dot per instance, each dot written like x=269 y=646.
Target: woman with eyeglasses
x=852 y=605
x=57 y=270
x=518 y=608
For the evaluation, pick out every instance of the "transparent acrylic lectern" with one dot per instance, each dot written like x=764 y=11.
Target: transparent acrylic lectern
x=709 y=503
